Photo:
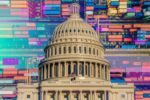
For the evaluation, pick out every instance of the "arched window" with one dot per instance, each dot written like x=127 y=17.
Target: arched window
x=80 y=51
x=69 y=68
x=69 y=49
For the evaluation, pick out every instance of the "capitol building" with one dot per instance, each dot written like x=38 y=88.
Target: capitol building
x=74 y=67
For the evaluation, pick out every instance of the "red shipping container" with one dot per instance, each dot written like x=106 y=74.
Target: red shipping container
x=147 y=36
x=128 y=39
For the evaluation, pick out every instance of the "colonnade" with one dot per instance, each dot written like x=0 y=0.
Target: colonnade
x=73 y=95
x=65 y=69
x=74 y=49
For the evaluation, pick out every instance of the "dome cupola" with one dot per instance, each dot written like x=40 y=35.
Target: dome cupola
x=74 y=49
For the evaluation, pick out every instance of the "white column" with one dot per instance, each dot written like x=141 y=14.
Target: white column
x=19 y=96
x=42 y=95
x=129 y=96
x=96 y=70
x=100 y=71
x=95 y=96
x=70 y=96
x=72 y=67
x=60 y=95
x=48 y=71
x=80 y=98
x=59 y=70
x=132 y=96
x=34 y=96
x=91 y=95
x=47 y=97
x=56 y=95
x=110 y=96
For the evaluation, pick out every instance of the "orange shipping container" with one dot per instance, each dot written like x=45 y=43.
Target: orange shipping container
x=115 y=30
x=127 y=26
x=133 y=30
x=115 y=26
x=20 y=78
x=115 y=40
x=145 y=29
x=52 y=2
x=115 y=36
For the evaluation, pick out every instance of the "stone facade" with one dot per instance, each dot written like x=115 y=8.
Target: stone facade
x=74 y=67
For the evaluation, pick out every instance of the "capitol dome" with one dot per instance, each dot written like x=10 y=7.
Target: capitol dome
x=74 y=48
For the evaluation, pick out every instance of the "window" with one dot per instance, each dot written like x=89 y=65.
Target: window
x=69 y=69
x=56 y=70
x=51 y=70
x=86 y=96
x=55 y=50
x=69 y=49
x=89 y=70
x=86 y=70
x=85 y=50
x=59 y=50
x=28 y=96
x=64 y=50
x=94 y=51
x=75 y=69
x=80 y=50
x=63 y=70
x=75 y=49
x=122 y=96
x=51 y=51
x=89 y=50
x=46 y=70
x=66 y=97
